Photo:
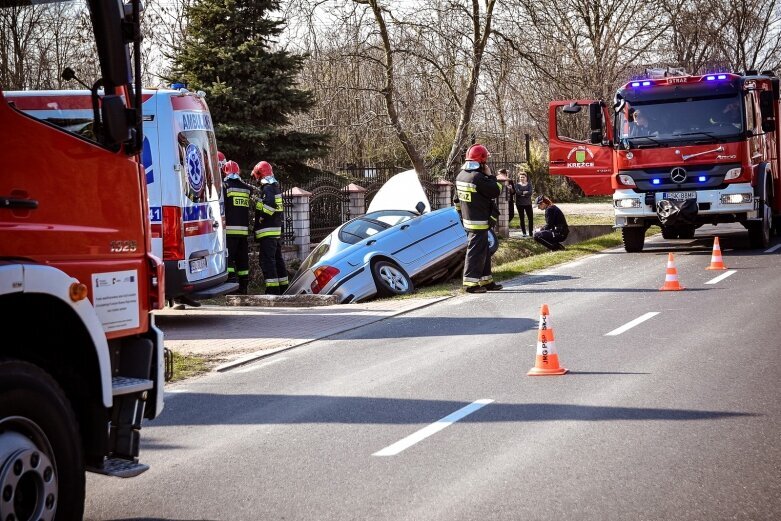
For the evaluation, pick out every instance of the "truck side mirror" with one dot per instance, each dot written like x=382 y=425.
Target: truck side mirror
x=766 y=111
x=572 y=108
x=114 y=119
x=595 y=119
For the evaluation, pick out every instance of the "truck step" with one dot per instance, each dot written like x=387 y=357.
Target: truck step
x=120 y=468
x=124 y=385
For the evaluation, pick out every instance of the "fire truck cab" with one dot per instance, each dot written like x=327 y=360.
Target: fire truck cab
x=81 y=360
x=679 y=152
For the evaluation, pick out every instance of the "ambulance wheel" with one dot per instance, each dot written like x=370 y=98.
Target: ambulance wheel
x=390 y=279
x=633 y=238
x=493 y=242
x=41 y=464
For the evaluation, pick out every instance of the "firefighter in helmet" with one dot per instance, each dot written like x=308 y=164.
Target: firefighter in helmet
x=476 y=189
x=236 y=194
x=268 y=229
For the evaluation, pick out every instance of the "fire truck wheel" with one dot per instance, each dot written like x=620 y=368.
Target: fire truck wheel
x=634 y=238
x=759 y=233
x=41 y=464
x=686 y=232
x=669 y=232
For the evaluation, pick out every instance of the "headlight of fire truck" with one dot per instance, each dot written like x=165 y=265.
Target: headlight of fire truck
x=626 y=180
x=732 y=173
x=736 y=198
x=627 y=203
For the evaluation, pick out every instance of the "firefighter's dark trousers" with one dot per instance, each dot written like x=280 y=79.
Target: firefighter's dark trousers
x=477 y=266
x=273 y=266
x=549 y=239
x=238 y=261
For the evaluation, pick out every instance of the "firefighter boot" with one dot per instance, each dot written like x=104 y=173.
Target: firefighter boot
x=243 y=284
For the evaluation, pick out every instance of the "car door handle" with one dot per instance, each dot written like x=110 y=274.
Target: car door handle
x=369 y=243
x=15 y=202
x=404 y=227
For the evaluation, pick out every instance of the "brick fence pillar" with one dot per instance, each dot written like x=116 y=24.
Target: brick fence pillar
x=444 y=193
x=357 y=196
x=503 y=227
x=300 y=220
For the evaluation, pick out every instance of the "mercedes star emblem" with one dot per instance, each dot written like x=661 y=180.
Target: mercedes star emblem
x=678 y=175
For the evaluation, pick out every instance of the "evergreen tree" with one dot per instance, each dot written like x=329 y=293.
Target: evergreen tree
x=251 y=88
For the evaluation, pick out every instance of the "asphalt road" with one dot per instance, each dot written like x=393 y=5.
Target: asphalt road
x=676 y=418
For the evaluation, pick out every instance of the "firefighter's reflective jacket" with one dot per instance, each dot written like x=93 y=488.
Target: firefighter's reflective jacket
x=475 y=193
x=269 y=212
x=237 y=195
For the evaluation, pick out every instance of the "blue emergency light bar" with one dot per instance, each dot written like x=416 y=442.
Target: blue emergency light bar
x=716 y=77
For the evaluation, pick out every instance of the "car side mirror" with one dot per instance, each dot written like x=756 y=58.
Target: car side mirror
x=420 y=207
x=572 y=108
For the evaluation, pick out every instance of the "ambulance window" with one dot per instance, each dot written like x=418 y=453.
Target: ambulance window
x=198 y=167
x=47 y=48
x=573 y=126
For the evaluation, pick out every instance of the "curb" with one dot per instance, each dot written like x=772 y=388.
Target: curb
x=258 y=355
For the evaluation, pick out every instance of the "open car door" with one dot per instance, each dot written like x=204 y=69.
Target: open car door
x=571 y=152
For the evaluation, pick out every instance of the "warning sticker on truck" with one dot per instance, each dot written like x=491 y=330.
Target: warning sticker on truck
x=115 y=297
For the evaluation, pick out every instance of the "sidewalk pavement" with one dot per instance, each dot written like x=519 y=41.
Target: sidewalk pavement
x=232 y=336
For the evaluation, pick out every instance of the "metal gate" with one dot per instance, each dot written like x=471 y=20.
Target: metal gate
x=329 y=205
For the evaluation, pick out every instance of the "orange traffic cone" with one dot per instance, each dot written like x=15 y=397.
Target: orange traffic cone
x=671 y=279
x=716 y=262
x=547 y=360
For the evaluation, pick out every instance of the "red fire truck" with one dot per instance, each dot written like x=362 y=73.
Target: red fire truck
x=679 y=152
x=81 y=361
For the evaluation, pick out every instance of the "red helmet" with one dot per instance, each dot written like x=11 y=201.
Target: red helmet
x=477 y=153
x=221 y=160
x=231 y=167
x=262 y=169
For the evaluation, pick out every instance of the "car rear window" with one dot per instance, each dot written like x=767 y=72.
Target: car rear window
x=359 y=229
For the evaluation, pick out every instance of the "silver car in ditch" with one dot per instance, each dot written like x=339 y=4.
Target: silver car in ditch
x=398 y=244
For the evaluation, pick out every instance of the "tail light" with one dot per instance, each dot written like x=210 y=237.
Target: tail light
x=156 y=282
x=173 y=234
x=323 y=276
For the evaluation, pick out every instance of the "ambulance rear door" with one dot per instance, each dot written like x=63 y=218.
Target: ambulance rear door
x=193 y=183
x=150 y=158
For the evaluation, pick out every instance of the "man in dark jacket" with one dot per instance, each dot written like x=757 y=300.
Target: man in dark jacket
x=269 y=212
x=555 y=230
x=236 y=194
x=476 y=188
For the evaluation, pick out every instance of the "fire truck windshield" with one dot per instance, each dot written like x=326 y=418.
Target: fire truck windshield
x=667 y=122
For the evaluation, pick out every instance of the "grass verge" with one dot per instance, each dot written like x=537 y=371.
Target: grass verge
x=187 y=366
x=517 y=257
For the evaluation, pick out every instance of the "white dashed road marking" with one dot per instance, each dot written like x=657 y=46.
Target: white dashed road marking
x=721 y=277
x=260 y=366
x=774 y=248
x=434 y=428
x=630 y=325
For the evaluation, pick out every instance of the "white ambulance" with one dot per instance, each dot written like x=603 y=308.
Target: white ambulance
x=183 y=182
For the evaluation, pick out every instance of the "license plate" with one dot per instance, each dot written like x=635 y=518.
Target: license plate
x=679 y=196
x=197 y=265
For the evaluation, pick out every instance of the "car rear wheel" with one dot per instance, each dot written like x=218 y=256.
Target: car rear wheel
x=390 y=279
